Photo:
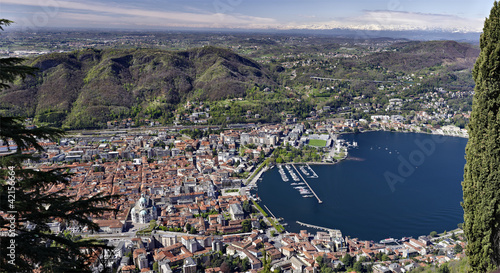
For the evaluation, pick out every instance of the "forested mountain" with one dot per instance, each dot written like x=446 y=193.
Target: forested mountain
x=85 y=88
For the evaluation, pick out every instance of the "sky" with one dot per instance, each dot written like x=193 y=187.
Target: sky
x=449 y=15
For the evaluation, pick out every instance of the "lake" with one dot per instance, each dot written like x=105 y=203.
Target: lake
x=392 y=185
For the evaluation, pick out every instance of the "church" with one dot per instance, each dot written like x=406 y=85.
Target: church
x=144 y=211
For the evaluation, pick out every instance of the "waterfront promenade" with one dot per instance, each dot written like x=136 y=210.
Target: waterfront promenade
x=334 y=232
x=253 y=182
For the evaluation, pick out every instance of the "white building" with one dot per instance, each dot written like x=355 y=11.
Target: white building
x=144 y=211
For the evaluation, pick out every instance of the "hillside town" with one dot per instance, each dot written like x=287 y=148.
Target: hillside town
x=185 y=203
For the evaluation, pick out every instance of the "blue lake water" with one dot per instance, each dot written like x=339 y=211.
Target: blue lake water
x=393 y=185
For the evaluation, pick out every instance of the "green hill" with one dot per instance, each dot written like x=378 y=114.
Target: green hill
x=86 y=88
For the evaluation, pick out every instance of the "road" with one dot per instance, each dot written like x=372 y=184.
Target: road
x=448 y=234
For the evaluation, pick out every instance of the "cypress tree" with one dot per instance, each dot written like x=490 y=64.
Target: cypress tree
x=481 y=185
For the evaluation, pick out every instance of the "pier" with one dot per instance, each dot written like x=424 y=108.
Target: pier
x=315 y=195
x=333 y=232
x=270 y=212
x=313 y=172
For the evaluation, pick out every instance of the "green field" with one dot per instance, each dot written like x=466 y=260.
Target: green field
x=317 y=142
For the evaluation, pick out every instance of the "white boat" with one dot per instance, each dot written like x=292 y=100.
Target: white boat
x=292 y=174
x=304 y=191
x=314 y=175
x=303 y=170
x=282 y=173
x=388 y=241
x=405 y=239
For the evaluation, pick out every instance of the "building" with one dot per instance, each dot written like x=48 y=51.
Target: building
x=189 y=266
x=236 y=212
x=144 y=211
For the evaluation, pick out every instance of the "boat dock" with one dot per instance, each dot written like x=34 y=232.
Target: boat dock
x=333 y=232
x=315 y=195
x=314 y=175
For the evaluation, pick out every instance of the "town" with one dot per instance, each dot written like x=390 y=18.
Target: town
x=185 y=202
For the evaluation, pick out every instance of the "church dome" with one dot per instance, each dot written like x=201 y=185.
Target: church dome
x=143 y=201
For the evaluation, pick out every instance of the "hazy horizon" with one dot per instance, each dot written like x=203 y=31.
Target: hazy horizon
x=388 y=15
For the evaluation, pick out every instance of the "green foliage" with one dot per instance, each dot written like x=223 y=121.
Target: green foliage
x=279 y=228
x=323 y=267
x=10 y=68
x=385 y=258
x=34 y=245
x=35 y=204
x=266 y=262
x=262 y=224
x=444 y=269
x=481 y=185
x=85 y=89
x=193 y=230
x=246 y=226
x=226 y=263
x=348 y=260
x=291 y=154
x=206 y=214
x=258 y=170
x=152 y=224
x=358 y=267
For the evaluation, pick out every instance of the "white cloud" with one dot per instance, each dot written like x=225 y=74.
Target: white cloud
x=102 y=13
x=95 y=14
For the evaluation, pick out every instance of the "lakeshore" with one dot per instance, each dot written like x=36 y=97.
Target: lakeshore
x=346 y=181
x=215 y=201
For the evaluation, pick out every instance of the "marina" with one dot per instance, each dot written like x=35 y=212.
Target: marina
x=306 y=193
x=310 y=189
x=282 y=173
x=338 y=183
x=292 y=174
x=314 y=175
x=303 y=170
